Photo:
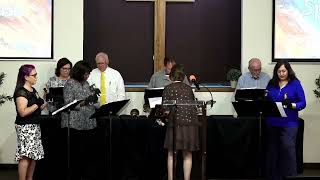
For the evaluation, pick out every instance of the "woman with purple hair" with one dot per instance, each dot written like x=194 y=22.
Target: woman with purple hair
x=28 y=108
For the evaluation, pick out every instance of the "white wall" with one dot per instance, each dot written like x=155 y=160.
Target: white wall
x=68 y=41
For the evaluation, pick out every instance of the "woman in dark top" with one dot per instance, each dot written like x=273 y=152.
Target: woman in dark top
x=28 y=107
x=186 y=121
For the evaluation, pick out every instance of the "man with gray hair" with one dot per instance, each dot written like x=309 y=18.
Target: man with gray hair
x=254 y=78
x=108 y=80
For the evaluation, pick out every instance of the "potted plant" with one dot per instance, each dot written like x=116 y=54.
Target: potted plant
x=317 y=90
x=3 y=97
x=233 y=75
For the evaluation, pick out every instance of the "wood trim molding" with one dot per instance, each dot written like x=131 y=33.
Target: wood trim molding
x=224 y=89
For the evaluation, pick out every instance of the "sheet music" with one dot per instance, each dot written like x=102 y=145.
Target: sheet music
x=248 y=88
x=155 y=101
x=66 y=106
x=281 y=110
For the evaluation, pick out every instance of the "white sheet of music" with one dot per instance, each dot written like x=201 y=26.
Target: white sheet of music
x=155 y=101
x=281 y=110
x=66 y=106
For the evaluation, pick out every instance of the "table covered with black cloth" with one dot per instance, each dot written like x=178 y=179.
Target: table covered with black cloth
x=234 y=149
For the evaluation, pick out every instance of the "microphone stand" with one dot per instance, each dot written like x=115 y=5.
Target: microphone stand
x=68 y=145
x=56 y=102
x=110 y=145
x=204 y=134
x=174 y=151
x=211 y=102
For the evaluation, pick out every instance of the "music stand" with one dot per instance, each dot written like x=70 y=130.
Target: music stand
x=152 y=93
x=108 y=110
x=56 y=91
x=250 y=94
x=55 y=98
x=259 y=108
x=67 y=108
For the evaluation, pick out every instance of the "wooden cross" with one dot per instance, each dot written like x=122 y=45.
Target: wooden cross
x=160 y=30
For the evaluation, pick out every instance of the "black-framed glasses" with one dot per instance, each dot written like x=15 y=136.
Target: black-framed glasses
x=66 y=69
x=34 y=75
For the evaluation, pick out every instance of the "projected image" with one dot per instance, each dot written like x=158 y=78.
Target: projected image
x=25 y=29
x=297 y=30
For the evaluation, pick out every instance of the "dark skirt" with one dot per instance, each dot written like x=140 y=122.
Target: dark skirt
x=187 y=138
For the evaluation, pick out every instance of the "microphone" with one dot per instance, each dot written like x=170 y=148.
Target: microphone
x=96 y=91
x=193 y=79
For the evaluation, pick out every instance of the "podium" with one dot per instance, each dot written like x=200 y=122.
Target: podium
x=201 y=111
x=109 y=110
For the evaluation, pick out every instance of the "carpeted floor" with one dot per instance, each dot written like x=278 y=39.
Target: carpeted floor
x=11 y=174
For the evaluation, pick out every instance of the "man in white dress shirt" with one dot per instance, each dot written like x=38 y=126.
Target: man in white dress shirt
x=114 y=84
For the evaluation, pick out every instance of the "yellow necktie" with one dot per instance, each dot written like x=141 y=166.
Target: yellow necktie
x=103 y=98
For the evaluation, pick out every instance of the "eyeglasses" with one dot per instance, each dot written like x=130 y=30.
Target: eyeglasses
x=34 y=75
x=66 y=69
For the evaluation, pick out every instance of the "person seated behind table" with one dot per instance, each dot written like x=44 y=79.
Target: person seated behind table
x=254 y=78
x=62 y=74
x=161 y=78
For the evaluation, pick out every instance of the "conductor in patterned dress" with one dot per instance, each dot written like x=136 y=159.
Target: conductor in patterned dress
x=186 y=122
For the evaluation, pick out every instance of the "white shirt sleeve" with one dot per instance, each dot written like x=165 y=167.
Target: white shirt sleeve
x=115 y=86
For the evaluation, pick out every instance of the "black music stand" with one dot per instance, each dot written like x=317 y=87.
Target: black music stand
x=67 y=108
x=56 y=91
x=250 y=94
x=108 y=110
x=55 y=96
x=259 y=109
x=152 y=93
